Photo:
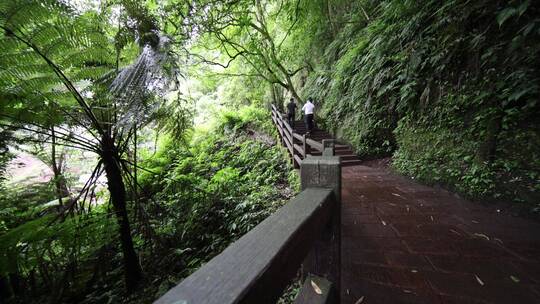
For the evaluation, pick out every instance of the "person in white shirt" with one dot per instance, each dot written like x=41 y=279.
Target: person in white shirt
x=308 y=114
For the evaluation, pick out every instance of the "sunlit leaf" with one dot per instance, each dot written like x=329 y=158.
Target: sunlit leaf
x=316 y=288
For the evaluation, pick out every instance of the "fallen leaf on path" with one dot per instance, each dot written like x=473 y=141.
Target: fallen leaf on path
x=384 y=223
x=431 y=217
x=348 y=291
x=414 y=271
x=407 y=291
x=515 y=279
x=316 y=288
x=452 y=230
x=359 y=300
x=392 y=204
x=498 y=240
x=479 y=281
x=395 y=194
x=476 y=222
x=482 y=236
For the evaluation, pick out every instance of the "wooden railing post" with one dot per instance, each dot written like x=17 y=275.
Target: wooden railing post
x=325 y=258
x=306 y=147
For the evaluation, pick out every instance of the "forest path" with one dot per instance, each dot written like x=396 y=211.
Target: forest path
x=403 y=242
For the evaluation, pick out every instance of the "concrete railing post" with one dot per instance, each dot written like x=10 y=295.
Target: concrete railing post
x=321 y=172
x=329 y=147
x=325 y=258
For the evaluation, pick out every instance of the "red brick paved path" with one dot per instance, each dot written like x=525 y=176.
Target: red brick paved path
x=407 y=243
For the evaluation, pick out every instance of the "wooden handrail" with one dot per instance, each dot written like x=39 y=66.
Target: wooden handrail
x=314 y=144
x=298 y=136
x=257 y=267
x=288 y=137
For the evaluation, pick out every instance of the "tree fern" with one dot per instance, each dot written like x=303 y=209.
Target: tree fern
x=63 y=68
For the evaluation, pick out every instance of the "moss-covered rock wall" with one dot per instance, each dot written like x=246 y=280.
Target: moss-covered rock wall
x=450 y=89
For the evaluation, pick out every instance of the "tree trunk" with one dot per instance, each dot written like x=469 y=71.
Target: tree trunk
x=117 y=190
x=292 y=89
x=59 y=180
x=274 y=98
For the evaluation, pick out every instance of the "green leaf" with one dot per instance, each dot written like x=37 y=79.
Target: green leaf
x=528 y=28
x=505 y=14
x=523 y=7
x=518 y=94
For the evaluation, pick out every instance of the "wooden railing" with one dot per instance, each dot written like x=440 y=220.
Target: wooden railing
x=298 y=145
x=301 y=237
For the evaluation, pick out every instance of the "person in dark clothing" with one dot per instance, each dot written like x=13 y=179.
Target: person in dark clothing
x=291 y=109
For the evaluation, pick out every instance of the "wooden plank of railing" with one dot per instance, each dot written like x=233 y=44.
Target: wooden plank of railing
x=297 y=161
x=257 y=267
x=288 y=127
x=290 y=137
x=299 y=149
x=280 y=129
x=288 y=144
x=315 y=144
x=278 y=121
x=286 y=134
x=298 y=136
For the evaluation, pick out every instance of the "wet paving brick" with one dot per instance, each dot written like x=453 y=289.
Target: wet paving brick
x=408 y=243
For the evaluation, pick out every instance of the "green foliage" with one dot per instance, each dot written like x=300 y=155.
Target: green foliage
x=229 y=179
x=251 y=119
x=32 y=30
x=43 y=241
x=35 y=245
x=21 y=204
x=450 y=88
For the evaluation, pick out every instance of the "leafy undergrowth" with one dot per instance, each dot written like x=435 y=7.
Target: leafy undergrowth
x=230 y=178
x=195 y=199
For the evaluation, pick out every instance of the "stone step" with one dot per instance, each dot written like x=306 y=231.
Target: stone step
x=348 y=163
x=337 y=152
x=348 y=157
